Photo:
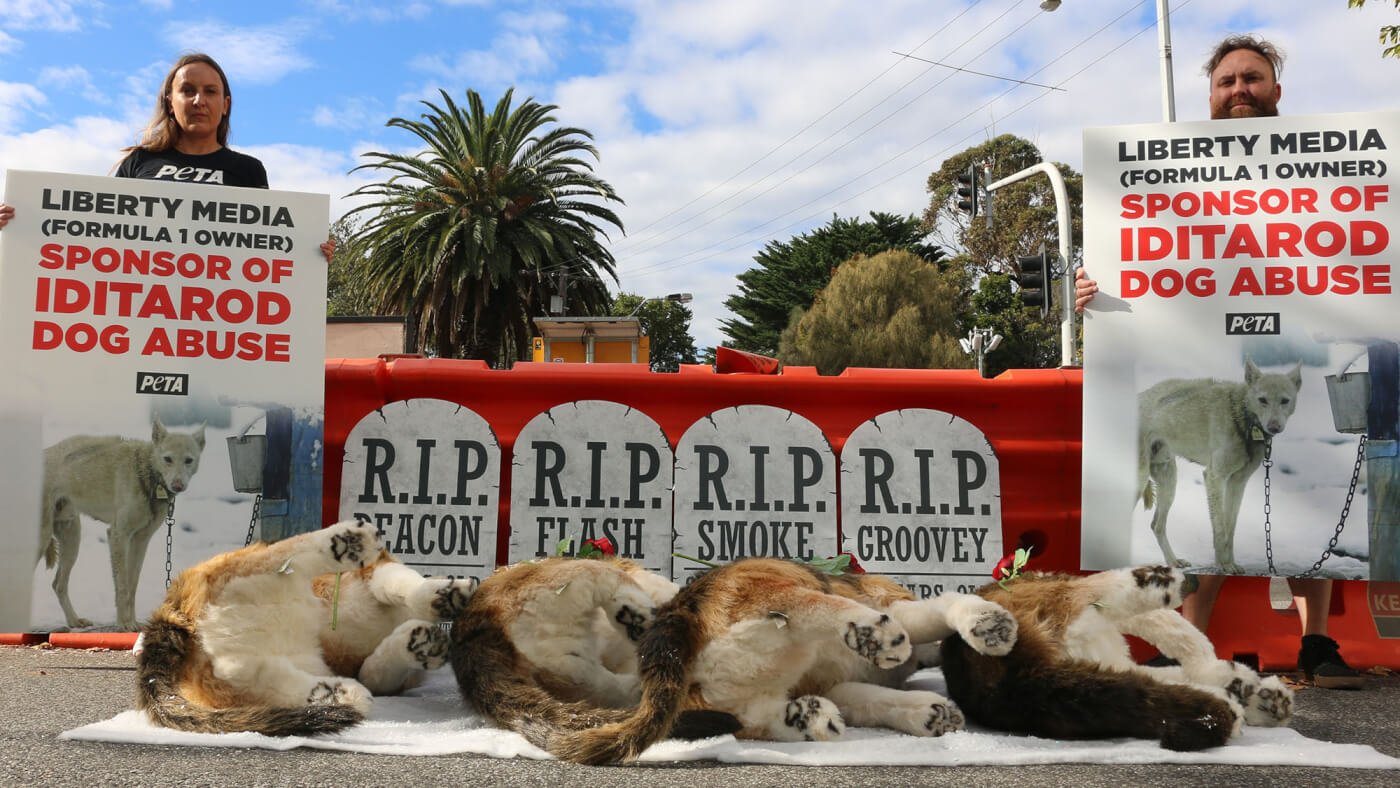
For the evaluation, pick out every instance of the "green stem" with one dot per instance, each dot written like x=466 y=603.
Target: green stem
x=335 y=602
x=696 y=560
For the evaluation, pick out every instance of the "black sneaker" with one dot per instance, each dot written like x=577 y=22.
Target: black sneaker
x=1321 y=661
x=1161 y=661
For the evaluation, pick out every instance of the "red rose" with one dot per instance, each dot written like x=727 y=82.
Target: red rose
x=1003 y=568
x=854 y=566
x=602 y=545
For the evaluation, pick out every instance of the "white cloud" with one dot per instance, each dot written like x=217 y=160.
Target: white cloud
x=52 y=15
x=356 y=112
x=15 y=99
x=64 y=76
x=528 y=46
x=9 y=43
x=74 y=79
x=87 y=146
x=372 y=10
x=248 y=54
x=308 y=169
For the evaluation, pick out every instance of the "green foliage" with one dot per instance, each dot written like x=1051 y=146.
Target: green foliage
x=1024 y=213
x=1024 y=218
x=348 y=292
x=789 y=274
x=667 y=326
x=464 y=237
x=1390 y=34
x=894 y=309
x=1027 y=343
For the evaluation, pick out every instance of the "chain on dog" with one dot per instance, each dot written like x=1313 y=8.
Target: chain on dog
x=1341 y=521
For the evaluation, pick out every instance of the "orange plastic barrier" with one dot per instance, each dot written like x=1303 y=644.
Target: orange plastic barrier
x=1031 y=417
x=112 y=640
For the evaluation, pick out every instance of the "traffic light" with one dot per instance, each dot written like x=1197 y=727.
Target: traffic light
x=1033 y=274
x=967 y=191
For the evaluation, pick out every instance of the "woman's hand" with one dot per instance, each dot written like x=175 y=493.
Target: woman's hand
x=7 y=212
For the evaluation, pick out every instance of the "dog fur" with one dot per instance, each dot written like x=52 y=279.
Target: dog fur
x=1221 y=426
x=292 y=637
x=1071 y=676
x=127 y=484
x=789 y=652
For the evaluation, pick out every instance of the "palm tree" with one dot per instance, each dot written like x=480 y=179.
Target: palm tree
x=464 y=239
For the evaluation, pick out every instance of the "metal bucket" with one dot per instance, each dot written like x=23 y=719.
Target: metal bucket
x=1349 y=395
x=245 y=460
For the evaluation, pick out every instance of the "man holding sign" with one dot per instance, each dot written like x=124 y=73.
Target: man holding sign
x=1243 y=72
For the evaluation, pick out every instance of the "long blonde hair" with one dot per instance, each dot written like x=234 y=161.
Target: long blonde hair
x=162 y=132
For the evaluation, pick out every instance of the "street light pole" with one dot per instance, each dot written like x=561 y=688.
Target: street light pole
x=1164 y=43
x=1057 y=185
x=676 y=298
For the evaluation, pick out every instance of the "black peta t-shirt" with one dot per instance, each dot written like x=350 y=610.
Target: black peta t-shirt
x=223 y=167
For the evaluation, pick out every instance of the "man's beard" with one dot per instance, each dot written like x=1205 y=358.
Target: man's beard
x=1253 y=108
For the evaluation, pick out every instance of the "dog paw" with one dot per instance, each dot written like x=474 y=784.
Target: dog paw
x=926 y=714
x=878 y=638
x=631 y=609
x=813 y=718
x=443 y=598
x=1237 y=715
x=991 y=630
x=427 y=643
x=341 y=692
x=353 y=544
x=1231 y=568
x=1271 y=705
x=633 y=620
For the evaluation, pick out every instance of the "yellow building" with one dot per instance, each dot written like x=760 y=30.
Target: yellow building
x=591 y=340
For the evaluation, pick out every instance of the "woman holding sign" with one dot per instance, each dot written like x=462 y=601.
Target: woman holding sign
x=187 y=138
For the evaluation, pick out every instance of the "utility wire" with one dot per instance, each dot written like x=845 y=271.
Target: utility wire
x=823 y=116
x=970 y=71
x=676 y=262
x=849 y=141
x=620 y=247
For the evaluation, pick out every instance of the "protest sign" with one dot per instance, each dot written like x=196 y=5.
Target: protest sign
x=1247 y=276
x=161 y=326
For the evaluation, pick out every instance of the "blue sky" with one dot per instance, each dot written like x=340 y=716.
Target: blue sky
x=723 y=124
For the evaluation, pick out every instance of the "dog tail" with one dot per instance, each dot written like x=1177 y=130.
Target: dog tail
x=491 y=678
x=167 y=649
x=494 y=678
x=665 y=654
x=1032 y=691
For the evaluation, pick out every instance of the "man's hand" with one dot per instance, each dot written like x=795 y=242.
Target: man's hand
x=1084 y=289
x=7 y=212
x=327 y=248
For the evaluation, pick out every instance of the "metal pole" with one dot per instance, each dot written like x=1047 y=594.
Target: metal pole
x=1057 y=183
x=1164 y=43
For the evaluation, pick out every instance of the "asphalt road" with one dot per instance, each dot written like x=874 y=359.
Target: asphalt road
x=44 y=691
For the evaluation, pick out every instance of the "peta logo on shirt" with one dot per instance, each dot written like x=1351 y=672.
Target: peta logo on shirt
x=169 y=172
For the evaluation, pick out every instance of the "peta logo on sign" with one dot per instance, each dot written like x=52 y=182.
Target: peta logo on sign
x=162 y=383
x=1251 y=323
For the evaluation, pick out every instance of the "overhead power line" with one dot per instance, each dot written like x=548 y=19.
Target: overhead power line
x=978 y=73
